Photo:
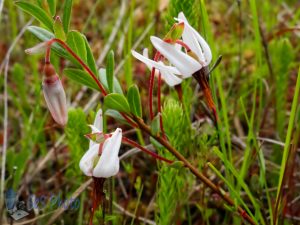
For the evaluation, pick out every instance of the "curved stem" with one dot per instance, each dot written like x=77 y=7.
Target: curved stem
x=151 y=84
x=194 y=170
x=154 y=155
x=65 y=46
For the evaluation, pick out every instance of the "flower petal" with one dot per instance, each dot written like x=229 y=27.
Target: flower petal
x=183 y=62
x=167 y=72
x=98 y=122
x=192 y=38
x=169 y=77
x=109 y=162
x=87 y=162
x=56 y=99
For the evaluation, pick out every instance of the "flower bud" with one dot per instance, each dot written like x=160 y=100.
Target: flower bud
x=55 y=95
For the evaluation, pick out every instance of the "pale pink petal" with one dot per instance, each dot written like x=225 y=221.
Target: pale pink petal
x=56 y=99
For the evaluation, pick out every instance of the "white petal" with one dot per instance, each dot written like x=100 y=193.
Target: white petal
x=86 y=163
x=94 y=129
x=56 y=99
x=183 y=62
x=109 y=162
x=98 y=122
x=167 y=72
x=149 y=63
x=169 y=77
x=192 y=38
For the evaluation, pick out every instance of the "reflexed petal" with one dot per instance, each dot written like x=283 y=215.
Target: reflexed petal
x=183 y=62
x=109 y=162
x=169 y=77
x=192 y=38
x=98 y=122
x=87 y=162
x=167 y=72
x=56 y=99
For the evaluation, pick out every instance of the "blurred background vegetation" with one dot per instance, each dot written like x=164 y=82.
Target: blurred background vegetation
x=254 y=87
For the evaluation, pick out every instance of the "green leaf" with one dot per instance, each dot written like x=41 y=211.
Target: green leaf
x=67 y=15
x=117 y=102
x=110 y=70
x=89 y=56
x=52 y=6
x=133 y=97
x=37 y=12
x=58 y=29
x=103 y=80
x=155 y=126
x=77 y=43
x=116 y=115
x=81 y=77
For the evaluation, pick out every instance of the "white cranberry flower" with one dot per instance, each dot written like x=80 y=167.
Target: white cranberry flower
x=185 y=64
x=101 y=159
x=55 y=95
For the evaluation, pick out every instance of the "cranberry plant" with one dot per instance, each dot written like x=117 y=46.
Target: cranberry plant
x=160 y=121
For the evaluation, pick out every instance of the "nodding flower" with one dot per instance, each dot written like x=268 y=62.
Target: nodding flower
x=101 y=159
x=55 y=95
x=182 y=64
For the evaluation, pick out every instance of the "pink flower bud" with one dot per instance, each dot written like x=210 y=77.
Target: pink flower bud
x=55 y=95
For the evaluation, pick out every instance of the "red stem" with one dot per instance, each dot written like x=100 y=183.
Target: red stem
x=90 y=72
x=183 y=45
x=154 y=155
x=159 y=106
x=151 y=84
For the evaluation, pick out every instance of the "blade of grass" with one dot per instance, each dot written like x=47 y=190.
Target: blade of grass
x=287 y=147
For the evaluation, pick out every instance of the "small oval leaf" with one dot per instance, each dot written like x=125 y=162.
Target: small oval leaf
x=134 y=100
x=77 y=43
x=110 y=71
x=81 y=77
x=117 y=102
x=67 y=15
x=58 y=29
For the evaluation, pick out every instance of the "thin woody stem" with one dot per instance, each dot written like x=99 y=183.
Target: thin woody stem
x=194 y=170
x=87 y=69
x=154 y=155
